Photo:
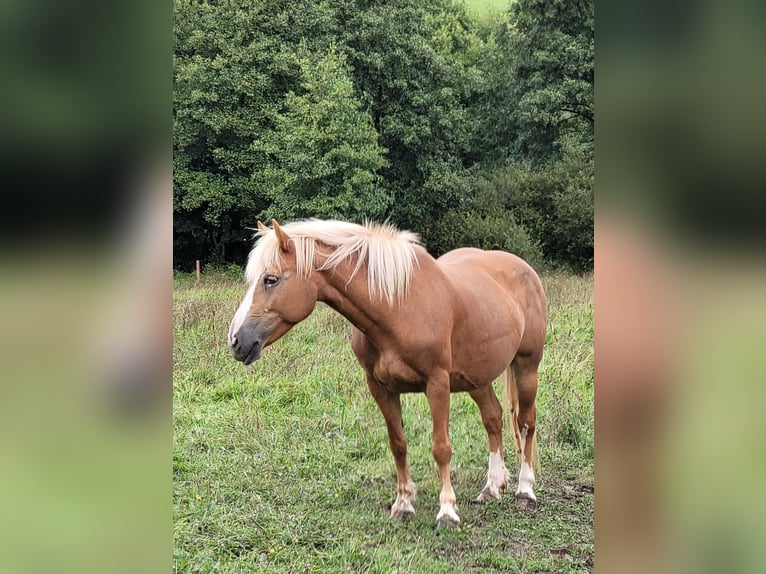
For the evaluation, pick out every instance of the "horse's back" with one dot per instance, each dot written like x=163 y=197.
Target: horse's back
x=497 y=279
x=506 y=269
x=489 y=261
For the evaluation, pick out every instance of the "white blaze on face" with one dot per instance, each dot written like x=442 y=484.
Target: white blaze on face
x=241 y=314
x=526 y=474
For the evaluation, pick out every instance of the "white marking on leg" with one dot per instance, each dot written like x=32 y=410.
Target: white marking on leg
x=498 y=474
x=241 y=314
x=447 y=506
x=526 y=474
x=402 y=507
x=448 y=513
x=497 y=478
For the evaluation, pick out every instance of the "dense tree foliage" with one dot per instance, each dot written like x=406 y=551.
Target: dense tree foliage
x=408 y=60
x=544 y=72
x=467 y=132
x=323 y=149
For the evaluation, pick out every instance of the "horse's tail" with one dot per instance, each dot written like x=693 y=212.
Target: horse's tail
x=512 y=400
x=535 y=454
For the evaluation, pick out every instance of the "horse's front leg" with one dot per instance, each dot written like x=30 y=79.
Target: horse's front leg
x=391 y=407
x=438 y=393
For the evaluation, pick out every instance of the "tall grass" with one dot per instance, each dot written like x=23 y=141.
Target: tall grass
x=565 y=395
x=284 y=466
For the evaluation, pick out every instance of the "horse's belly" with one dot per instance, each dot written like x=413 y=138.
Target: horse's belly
x=476 y=365
x=397 y=376
x=474 y=376
x=458 y=382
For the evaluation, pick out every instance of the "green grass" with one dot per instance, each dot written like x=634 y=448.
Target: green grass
x=284 y=466
x=487 y=10
x=485 y=5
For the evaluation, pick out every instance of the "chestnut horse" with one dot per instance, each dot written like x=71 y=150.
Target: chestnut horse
x=421 y=325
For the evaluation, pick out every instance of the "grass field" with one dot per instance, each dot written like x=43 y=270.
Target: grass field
x=487 y=10
x=487 y=5
x=284 y=466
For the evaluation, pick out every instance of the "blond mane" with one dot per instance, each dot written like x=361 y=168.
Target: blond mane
x=388 y=252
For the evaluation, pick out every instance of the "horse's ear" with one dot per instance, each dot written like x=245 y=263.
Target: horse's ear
x=282 y=237
x=261 y=227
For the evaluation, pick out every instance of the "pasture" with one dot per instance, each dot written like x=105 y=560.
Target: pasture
x=284 y=466
x=488 y=12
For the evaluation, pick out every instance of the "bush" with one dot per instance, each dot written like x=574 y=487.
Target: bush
x=494 y=230
x=554 y=204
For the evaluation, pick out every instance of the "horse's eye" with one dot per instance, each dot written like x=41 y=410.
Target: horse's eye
x=270 y=280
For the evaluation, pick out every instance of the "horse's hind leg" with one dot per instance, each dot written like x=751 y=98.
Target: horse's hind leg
x=492 y=417
x=391 y=407
x=525 y=375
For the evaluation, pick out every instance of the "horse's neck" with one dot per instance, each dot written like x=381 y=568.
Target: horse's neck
x=352 y=298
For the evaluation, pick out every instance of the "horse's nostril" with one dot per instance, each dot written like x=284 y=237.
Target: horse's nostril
x=233 y=341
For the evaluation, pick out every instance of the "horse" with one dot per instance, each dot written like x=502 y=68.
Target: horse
x=421 y=324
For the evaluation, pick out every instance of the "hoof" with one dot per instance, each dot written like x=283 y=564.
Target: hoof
x=488 y=493
x=525 y=502
x=447 y=522
x=447 y=517
x=402 y=510
x=402 y=514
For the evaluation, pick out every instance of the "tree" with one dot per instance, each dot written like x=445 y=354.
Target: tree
x=234 y=61
x=407 y=110
x=554 y=203
x=544 y=65
x=324 y=152
x=412 y=66
x=536 y=109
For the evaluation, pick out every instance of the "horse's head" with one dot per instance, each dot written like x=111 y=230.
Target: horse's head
x=276 y=300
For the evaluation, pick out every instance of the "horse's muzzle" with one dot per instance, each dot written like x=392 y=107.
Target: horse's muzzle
x=247 y=343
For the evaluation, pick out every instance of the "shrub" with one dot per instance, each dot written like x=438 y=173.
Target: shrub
x=554 y=204
x=496 y=229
